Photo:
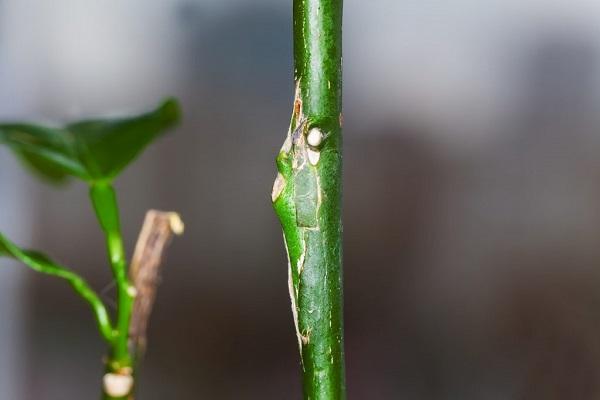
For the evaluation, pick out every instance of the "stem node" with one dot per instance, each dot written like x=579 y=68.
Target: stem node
x=307 y=197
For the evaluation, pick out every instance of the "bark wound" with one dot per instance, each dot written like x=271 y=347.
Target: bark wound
x=278 y=187
x=156 y=233
x=293 y=296
x=306 y=196
x=296 y=198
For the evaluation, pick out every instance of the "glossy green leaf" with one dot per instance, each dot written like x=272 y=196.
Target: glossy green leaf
x=46 y=150
x=92 y=150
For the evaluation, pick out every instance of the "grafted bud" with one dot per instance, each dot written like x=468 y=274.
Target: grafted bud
x=314 y=137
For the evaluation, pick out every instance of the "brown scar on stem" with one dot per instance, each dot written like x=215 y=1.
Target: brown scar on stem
x=298 y=134
x=297 y=101
x=306 y=337
x=297 y=105
x=293 y=296
x=156 y=234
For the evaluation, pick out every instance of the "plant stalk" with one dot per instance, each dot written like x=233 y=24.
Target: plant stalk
x=307 y=197
x=157 y=231
x=40 y=263
x=119 y=364
x=156 y=234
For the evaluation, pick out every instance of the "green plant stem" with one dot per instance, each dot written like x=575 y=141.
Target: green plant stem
x=105 y=204
x=41 y=263
x=307 y=197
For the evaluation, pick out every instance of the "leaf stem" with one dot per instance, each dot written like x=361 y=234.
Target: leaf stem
x=104 y=201
x=42 y=264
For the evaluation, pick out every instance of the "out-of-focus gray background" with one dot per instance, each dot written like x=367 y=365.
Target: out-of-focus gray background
x=472 y=196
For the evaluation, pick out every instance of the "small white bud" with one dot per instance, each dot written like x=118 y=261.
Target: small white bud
x=116 y=385
x=176 y=223
x=313 y=156
x=315 y=137
x=132 y=291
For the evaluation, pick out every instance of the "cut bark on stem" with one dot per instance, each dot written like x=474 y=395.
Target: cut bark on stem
x=307 y=197
x=156 y=234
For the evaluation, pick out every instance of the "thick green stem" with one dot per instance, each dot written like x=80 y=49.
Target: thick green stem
x=307 y=197
x=104 y=200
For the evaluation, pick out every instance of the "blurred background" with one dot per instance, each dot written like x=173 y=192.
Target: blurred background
x=472 y=197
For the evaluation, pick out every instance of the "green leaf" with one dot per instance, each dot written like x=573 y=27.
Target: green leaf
x=92 y=150
x=47 y=151
x=46 y=169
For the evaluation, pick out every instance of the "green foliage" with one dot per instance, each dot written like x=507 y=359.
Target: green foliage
x=41 y=263
x=92 y=150
x=95 y=151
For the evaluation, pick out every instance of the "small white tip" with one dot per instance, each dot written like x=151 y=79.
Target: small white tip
x=313 y=156
x=116 y=385
x=177 y=225
x=132 y=291
x=315 y=137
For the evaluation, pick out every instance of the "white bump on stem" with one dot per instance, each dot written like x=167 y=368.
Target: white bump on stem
x=278 y=187
x=313 y=156
x=117 y=385
x=315 y=137
x=132 y=291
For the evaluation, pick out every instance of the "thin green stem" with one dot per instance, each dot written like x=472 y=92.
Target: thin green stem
x=40 y=263
x=104 y=201
x=307 y=197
